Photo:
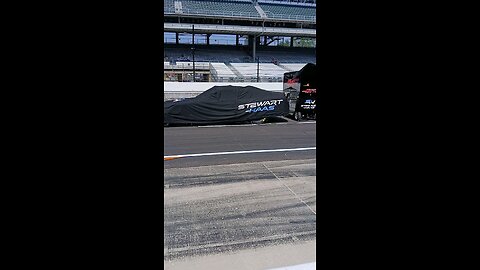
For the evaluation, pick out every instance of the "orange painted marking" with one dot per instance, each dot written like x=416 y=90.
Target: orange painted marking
x=169 y=158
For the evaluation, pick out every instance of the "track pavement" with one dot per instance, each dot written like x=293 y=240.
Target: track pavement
x=232 y=205
x=210 y=139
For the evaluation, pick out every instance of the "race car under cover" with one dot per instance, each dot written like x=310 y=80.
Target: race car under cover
x=226 y=104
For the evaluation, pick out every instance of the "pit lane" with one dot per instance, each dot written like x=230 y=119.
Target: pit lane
x=224 y=205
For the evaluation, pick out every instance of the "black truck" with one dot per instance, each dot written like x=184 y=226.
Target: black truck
x=300 y=89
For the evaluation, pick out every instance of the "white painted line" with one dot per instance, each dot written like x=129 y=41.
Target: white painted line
x=306 y=266
x=298 y=197
x=241 y=152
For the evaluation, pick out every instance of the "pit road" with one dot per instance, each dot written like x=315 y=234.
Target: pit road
x=226 y=205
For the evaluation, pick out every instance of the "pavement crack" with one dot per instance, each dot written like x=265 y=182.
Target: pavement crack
x=298 y=197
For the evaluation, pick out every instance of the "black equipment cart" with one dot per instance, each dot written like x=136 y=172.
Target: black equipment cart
x=300 y=89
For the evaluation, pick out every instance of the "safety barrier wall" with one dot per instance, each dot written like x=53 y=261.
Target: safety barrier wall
x=174 y=90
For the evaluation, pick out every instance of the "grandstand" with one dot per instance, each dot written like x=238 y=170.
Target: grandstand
x=222 y=73
x=300 y=11
x=219 y=8
x=270 y=72
x=230 y=39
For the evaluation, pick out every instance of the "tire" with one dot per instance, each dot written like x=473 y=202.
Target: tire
x=298 y=116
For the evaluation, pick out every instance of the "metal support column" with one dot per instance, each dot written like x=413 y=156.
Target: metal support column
x=193 y=50
x=258 y=69
x=254 y=47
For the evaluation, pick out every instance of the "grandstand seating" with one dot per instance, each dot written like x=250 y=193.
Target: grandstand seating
x=168 y=6
x=294 y=2
x=223 y=61
x=213 y=54
x=235 y=55
x=286 y=56
x=267 y=72
x=293 y=67
x=219 y=8
x=237 y=72
x=288 y=11
x=242 y=8
x=222 y=73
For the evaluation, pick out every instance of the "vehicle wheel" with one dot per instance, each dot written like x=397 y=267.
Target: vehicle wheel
x=298 y=116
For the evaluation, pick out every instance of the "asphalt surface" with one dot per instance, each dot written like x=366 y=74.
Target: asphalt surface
x=208 y=139
x=226 y=205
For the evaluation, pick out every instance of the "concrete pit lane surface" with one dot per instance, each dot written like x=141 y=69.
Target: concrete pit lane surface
x=240 y=211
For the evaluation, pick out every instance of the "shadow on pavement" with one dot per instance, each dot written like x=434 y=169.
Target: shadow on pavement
x=273 y=119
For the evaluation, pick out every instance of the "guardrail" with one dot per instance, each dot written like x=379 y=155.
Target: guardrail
x=290 y=17
x=221 y=13
x=238 y=28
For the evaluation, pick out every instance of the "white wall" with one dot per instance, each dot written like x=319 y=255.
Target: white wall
x=174 y=90
x=198 y=87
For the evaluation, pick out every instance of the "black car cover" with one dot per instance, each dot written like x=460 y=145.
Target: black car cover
x=226 y=104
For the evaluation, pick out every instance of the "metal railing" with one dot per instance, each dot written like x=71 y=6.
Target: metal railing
x=290 y=3
x=239 y=28
x=290 y=17
x=249 y=15
x=223 y=13
x=186 y=66
x=229 y=78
